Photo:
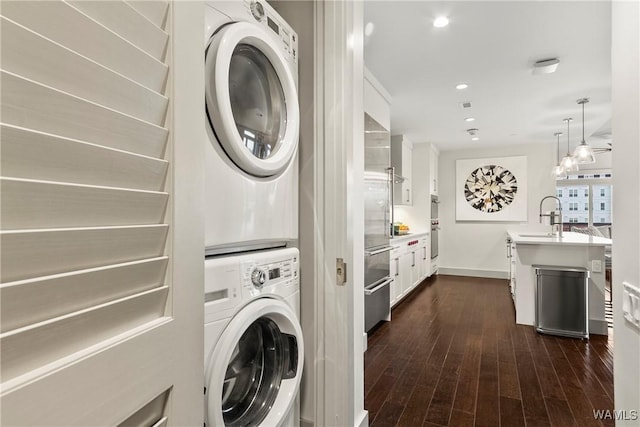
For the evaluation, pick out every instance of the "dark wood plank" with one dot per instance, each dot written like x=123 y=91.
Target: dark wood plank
x=535 y=411
x=467 y=390
x=388 y=415
x=577 y=400
x=416 y=409
x=378 y=395
x=462 y=419
x=544 y=368
x=559 y=412
x=511 y=413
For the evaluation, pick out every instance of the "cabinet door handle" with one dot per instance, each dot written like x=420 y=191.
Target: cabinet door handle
x=413 y=262
x=425 y=252
x=397 y=267
x=408 y=194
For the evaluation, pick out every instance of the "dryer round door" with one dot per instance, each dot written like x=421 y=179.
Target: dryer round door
x=254 y=369
x=251 y=98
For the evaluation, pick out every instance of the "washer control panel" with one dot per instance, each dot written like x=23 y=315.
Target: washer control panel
x=265 y=275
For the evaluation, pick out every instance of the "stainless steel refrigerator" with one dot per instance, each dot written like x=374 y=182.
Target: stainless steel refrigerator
x=378 y=206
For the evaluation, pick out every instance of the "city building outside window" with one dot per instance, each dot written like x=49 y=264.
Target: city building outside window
x=593 y=193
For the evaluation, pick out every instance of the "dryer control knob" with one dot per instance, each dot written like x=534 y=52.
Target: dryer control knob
x=257 y=10
x=258 y=277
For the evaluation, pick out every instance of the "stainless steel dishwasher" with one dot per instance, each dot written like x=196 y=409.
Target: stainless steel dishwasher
x=562 y=301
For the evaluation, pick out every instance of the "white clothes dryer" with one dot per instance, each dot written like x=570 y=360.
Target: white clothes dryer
x=253 y=341
x=251 y=98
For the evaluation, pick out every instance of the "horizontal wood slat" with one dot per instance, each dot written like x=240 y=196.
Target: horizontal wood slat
x=155 y=10
x=32 y=347
x=150 y=414
x=31 y=56
x=62 y=23
x=31 y=105
x=128 y=23
x=29 y=204
x=32 y=253
x=37 y=155
x=35 y=300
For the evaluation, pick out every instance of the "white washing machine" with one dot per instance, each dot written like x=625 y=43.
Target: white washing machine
x=253 y=342
x=251 y=184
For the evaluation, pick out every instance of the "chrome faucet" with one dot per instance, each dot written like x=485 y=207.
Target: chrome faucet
x=553 y=215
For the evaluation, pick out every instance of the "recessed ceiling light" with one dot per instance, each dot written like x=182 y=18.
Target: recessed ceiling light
x=441 y=21
x=462 y=86
x=475 y=138
x=469 y=119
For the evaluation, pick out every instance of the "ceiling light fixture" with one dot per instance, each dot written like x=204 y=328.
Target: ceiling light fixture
x=568 y=162
x=441 y=21
x=475 y=138
x=469 y=119
x=546 y=66
x=472 y=131
x=558 y=170
x=583 y=153
x=462 y=86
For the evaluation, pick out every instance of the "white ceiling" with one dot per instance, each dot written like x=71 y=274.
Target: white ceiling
x=492 y=46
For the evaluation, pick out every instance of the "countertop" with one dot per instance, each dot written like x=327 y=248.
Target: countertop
x=401 y=239
x=568 y=238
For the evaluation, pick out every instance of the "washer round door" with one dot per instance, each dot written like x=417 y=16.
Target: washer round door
x=254 y=369
x=251 y=98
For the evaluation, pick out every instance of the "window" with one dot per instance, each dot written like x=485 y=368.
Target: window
x=586 y=199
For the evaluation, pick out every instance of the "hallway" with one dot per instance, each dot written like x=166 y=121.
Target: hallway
x=453 y=356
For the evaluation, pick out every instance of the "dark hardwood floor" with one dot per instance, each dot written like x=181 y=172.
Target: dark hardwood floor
x=454 y=356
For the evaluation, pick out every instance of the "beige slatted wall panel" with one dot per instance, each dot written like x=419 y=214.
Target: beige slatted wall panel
x=84 y=137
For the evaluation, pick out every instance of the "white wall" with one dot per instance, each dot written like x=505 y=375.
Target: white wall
x=478 y=248
x=626 y=196
x=418 y=215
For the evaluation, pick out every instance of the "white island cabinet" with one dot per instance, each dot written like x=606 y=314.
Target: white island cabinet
x=572 y=250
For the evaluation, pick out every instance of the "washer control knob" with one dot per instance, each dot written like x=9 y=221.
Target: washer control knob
x=258 y=277
x=257 y=10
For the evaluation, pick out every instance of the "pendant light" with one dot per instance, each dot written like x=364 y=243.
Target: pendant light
x=583 y=153
x=558 y=170
x=568 y=162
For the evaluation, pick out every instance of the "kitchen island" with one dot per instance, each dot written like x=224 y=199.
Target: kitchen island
x=570 y=250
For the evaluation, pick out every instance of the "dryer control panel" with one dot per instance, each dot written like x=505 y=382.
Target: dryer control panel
x=262 y=12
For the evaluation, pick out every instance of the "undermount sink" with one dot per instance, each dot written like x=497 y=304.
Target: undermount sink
x=539 y=235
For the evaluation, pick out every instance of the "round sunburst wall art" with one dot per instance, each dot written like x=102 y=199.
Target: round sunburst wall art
x=490 y=188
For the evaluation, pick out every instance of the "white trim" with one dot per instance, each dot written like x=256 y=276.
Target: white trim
x=377 y=85
x=471 y=272
x=363 y=419
x=598 y=327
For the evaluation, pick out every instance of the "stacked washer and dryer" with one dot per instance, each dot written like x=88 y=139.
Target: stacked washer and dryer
x=253 y=341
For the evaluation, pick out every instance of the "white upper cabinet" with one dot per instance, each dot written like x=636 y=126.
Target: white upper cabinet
x=433 y=170
x=401 y=149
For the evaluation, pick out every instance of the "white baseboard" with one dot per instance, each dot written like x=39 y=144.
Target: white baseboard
x=598 y=327
x=470 y=272
x=364 y=419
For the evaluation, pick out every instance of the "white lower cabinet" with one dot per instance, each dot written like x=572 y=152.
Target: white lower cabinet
x=394 y=270
x=410 y=264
